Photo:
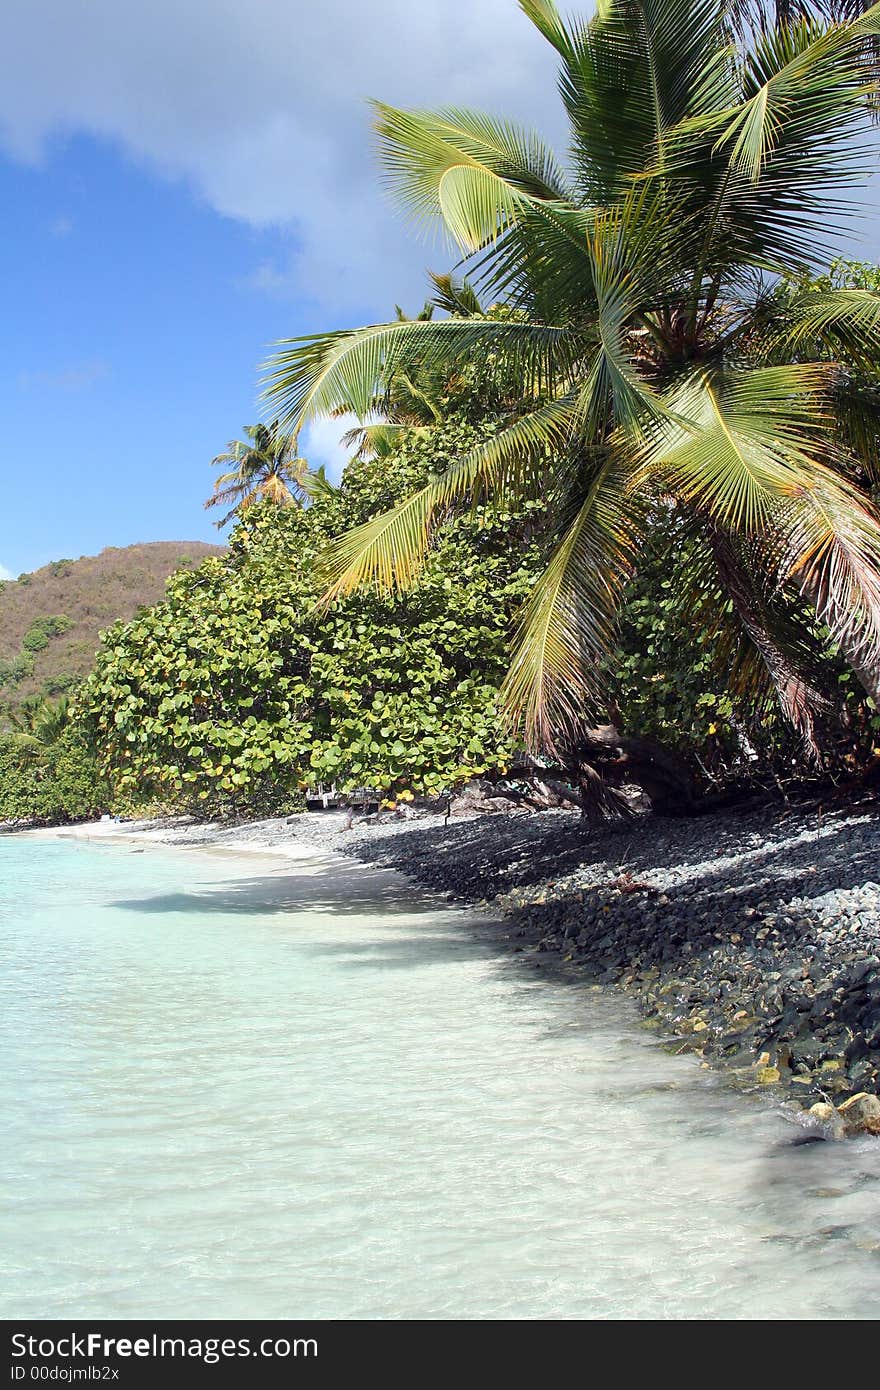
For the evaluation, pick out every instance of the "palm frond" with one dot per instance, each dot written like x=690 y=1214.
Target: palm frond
x=477 y=173
x=346 y=369
x=840 y=323
x=628 y=76
x=316 y=485
x=568 y=627
x=388 y=551
x=739 y=444
x=832 y=553
x=456 y=297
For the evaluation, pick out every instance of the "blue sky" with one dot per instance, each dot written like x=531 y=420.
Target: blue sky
x=136 y=318
x=181 y=185
x=130 y=352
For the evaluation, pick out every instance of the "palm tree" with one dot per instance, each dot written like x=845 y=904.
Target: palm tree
x=267 y=467
x=414 y=396
x=39 y=722
x=657 y=366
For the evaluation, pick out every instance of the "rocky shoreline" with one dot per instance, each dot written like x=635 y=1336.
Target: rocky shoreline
x=754 y=940
x=751 y=940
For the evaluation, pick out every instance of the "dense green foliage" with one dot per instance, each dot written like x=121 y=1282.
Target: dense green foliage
x=42 y=630
x=678 y=677
x=50 y=784
x=238 y=690
x=15 y=669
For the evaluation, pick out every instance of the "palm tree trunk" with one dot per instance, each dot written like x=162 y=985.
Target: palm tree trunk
x=799 y=702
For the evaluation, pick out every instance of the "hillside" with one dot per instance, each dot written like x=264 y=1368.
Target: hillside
x=50 y=619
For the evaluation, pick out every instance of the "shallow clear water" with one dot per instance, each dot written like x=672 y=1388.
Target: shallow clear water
x=255 y=1088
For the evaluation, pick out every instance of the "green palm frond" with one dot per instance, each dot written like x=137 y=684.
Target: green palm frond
x=627 y=78
x=738 y=445
x=378 y=439
x=456 y=297
x=568 y=627
x=805 y=95
x=857 y=412
x=316 y=485
x=388 y=551
x=345 y=370
x=837 y=322
x=477 y=173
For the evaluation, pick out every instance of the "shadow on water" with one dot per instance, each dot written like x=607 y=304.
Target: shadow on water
x=361 y=893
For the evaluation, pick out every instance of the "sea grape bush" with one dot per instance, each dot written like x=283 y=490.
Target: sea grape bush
x=42 y=630
x=240 y=690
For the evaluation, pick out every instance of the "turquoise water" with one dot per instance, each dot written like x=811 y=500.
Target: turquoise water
x=252 y=1087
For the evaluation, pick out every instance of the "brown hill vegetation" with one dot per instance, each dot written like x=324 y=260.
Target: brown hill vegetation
x=50 y=620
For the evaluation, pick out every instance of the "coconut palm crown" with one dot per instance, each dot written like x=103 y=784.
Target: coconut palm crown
x=659 y=366
x=266 y=467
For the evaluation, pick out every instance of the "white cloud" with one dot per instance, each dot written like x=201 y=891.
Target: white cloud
x=77 y=376
x=259 y=105
x=273 y=279
x=320 y=443
x=5 y=574
x=61 y=227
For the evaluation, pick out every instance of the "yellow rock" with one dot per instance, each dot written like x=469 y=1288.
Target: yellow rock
x=822 y=1110
x=767 y=1075
x=853 y=1100
x=763 y=1060
x=834 y=1064
x=700 y=1025
x=828 y=1116
x=861 y=1114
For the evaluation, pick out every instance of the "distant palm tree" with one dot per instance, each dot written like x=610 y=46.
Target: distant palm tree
x=266 y=467
x=51 y=719
x=39 y=722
